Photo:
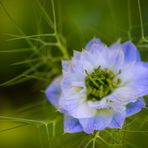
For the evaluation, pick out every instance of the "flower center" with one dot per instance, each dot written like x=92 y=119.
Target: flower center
x=100 y=83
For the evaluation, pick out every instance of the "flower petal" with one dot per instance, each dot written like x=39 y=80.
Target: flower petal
x=66 y=66
x=82 y=111
x=116 y=57
x=118 y=120
x=87 y=61
x=115 y=46
x=145 y=64
x=94 y=45
x=130 y=52
x=139 y=70
x=133 y=108
x=53 y=91
x=70 y=79
x=118 y=60
x=92 y=61
x=76 y=62
x=134 y=82
x=71 y=125
x=98 y=104
x=103 y=119
x=87 y=124
x=98 y=51
x=71 y=100
x=99 y=122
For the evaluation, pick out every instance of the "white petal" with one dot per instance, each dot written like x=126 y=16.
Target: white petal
x=71 y=100
x=82 y=111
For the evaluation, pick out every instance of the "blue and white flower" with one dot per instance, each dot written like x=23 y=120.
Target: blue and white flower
x=100 y=87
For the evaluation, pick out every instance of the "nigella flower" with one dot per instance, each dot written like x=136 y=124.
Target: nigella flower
x=100 y=87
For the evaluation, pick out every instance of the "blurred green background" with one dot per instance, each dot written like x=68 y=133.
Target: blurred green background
x=77 y=22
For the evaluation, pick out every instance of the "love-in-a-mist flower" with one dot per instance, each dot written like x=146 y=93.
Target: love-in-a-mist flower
x=100 y=87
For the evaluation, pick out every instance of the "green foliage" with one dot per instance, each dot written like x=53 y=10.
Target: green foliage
x=42 y=46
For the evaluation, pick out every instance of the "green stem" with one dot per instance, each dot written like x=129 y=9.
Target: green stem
x=62 y=48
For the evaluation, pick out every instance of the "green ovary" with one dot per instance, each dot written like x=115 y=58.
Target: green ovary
x=100 y=83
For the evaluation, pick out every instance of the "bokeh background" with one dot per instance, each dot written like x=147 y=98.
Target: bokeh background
x=29 y=60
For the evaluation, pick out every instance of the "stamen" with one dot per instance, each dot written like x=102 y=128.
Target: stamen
x=100 y=83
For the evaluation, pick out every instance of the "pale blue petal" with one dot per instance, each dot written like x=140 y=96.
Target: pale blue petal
x=76 y=62
x=134 y=82
x=71 y=125
x=103 y=119
x=145 y=64
x=87 y=61
x=70 y=102
x=131 y=53
x=116 y=57
x=82 y=111
x=132 y=71
x=92 y=61
x=98 y=104
x=118 y=60
x=118 y=120
x=115 y=46
x=76 y=55
x=87 y=125
x=53 y=91
x=99 y=122
x=66 y=66
x=94 y=45
x=95 y=55
x=133 y=108
x=68 y=105
x=71 y=78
